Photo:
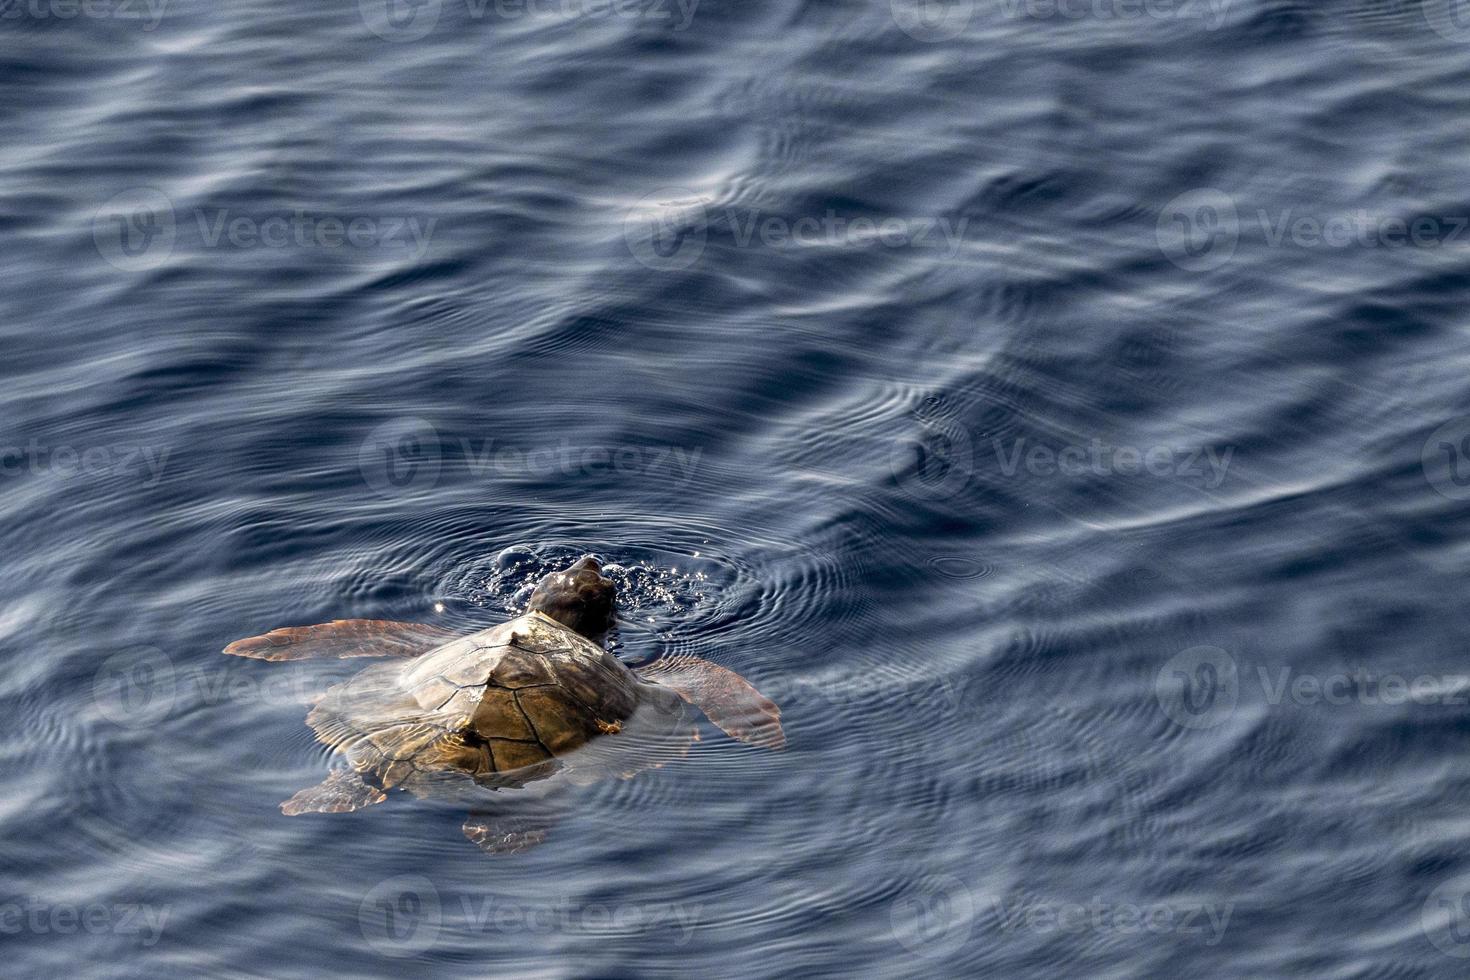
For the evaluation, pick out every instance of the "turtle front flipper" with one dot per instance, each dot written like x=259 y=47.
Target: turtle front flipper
x=503 y=833
x=726 y=698
x=343 y=638
x=341 y=792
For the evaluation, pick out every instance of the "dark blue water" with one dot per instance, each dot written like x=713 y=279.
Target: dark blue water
x=1060 y=410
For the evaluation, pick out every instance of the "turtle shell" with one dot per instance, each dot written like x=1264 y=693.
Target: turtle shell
x=500 y=705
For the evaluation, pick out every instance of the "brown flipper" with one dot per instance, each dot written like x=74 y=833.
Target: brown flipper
x=343 y=638
x=342 y=791
x=504 y=833
x=726 y=698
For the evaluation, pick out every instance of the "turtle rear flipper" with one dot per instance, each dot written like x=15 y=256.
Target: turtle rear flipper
x=503 y=833
x=341 y=792
x=343 y=638
x=726 y=698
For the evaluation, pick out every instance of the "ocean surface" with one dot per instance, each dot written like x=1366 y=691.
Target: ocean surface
x=1061 y=408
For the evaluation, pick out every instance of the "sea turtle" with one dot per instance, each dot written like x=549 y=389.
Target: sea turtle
x=505 y=707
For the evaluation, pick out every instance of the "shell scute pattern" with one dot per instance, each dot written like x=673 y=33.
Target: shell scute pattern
x=498 y=716
x=505 y=699
x=520 y=668
x=561 y=721
x=537 y=697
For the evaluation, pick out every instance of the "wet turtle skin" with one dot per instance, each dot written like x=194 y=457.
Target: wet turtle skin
x=499 y=705
x=538 y=696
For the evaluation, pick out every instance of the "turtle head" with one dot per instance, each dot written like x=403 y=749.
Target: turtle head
x=579 y=597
